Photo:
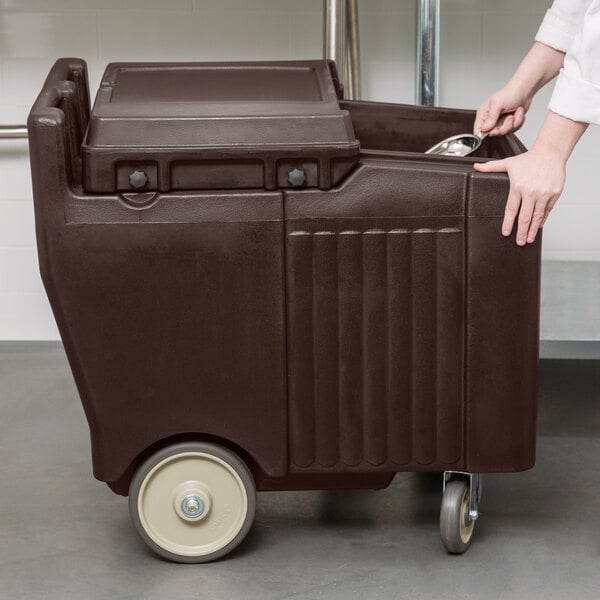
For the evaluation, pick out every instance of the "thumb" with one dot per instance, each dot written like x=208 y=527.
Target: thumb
x=493 y=166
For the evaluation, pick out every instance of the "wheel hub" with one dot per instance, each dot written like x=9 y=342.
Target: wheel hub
x=191 y=501
x=192 y=506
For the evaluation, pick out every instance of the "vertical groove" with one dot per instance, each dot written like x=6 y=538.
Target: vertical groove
x=325 y=349
x=413 y=345
x=313 y=354
x=300 y=356
x=350 y=285
x=411 y=354
x=435 y=336
x=363 y=361
x=465 y=430
x=388 y=344
x=424 y=331
x=449 y=361
x=374 y=287
x=338 y=372
x=400 y=344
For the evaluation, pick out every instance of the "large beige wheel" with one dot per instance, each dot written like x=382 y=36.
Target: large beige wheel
x=456 y=528
x=192 y=502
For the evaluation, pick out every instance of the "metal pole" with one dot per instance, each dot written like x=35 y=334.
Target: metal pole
x=13 y=132
x=427 y=52
x=353 y=58
x=334 y=29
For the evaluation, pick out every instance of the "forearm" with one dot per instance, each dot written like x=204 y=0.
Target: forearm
x=541 y=64
x=558 y=136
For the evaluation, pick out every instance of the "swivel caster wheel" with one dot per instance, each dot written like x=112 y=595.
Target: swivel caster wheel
x=192 y=502
x=459 y=511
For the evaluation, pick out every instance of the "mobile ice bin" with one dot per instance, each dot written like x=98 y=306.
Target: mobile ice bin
x=261 y=286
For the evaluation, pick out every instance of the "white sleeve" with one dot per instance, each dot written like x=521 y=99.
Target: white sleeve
x=561 y=23
x=577 y=92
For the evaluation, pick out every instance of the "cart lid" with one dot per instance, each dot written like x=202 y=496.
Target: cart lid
x=217 y=126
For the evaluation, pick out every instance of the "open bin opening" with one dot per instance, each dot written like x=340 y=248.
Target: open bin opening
x=404 y=128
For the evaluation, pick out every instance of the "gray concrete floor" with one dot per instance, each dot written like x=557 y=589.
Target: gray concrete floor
x=64 y=535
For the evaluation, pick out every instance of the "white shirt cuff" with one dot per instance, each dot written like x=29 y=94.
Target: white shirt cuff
x=576 y=99
x=556 y=32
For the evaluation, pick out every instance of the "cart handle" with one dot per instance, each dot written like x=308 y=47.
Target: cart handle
x=58 y=120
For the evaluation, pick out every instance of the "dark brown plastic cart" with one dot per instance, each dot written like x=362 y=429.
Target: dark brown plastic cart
x=261 y=286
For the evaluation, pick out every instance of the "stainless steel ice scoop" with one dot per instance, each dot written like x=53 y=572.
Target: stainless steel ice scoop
x=458 y=145
x=463 y=143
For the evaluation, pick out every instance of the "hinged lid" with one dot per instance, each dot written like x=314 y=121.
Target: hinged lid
x=217 y=126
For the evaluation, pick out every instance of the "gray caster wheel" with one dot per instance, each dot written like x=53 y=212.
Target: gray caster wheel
x=192 y=502
x=456 y=527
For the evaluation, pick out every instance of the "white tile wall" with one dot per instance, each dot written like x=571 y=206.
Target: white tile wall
x=15 y=181
x=15 y=272
x=87 y=5
x=482 y=42
x=40 y=34
x=26 y=316
x=306 y=36
x=17 y=228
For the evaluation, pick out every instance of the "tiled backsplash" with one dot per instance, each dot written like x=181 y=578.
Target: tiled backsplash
x=482 y=41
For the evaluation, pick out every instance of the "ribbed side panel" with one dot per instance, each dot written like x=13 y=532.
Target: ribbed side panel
x=375 y=348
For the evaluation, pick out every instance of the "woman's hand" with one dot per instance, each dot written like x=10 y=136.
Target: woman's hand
x=510 y=99
x=541 y=64
x=537 y=179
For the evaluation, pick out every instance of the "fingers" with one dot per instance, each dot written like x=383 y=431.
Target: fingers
x=488 y=120
x=519 y=118
x=530 y=213
x=537 y=218
x=487 y=116
x=534 y=214
x=480 y=117
x=536 y=182
x=510 y=122
x=528 y=204
x=510 y=212
x=493 y=166
x=513 y=201
x=504 y=126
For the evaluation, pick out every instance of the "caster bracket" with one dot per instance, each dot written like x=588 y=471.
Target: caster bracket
x=475 y=489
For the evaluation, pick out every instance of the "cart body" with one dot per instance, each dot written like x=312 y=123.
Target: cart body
x=365 y=319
